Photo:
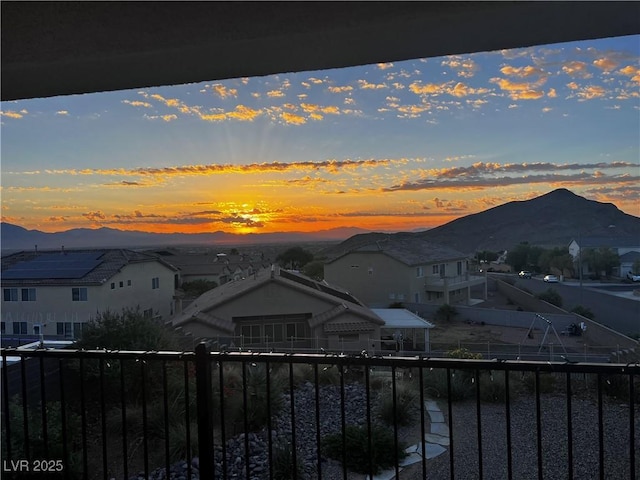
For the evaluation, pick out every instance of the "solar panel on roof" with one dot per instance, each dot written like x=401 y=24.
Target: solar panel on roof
x=54 y=266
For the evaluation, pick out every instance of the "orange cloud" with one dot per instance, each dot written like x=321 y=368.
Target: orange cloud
x=346 y=88
x=224 y=92
x=576 y=69
x=631 y=71
x=590 y=92
x=13 y=113
x=384 y=66
x=605 y=64
x=365 y=85
x=275 y=93
x=465 y=68
x=522 y=72
x=137 y=103
x=293 y=119
x=430 y=88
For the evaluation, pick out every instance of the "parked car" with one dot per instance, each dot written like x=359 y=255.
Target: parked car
x=524 y=274
x=550 y=279
x=633 y=277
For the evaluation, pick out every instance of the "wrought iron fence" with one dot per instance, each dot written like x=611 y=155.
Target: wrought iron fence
x=116 y=414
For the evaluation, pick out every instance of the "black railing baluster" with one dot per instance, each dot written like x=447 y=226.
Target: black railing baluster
x=507 y=402
x=569 y=428
x=245 y=418
x=269 y=423
x=187 y=415
x=394 y=402
x=223 y=429
x=83 y=418
x=103 y=421
x=476 y=378
x=205 y=417
x=123 y=407
x=294 y=442
x=316 y=378
x=43 y=411
x=451 y=436
x=600 y=428
x=538 y=424
x=145 y=426
x=369 y=439
x=63 y=420
x=165 y=406
x=25 y=408
x=632 y=429
x=423 y=439
x=7 y=415
x=343 y=423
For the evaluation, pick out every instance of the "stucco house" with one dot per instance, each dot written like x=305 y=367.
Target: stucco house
x=627 y=247
x=402 y=269
x=54 y=293
x=280 y=309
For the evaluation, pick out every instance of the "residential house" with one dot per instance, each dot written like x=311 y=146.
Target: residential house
x=403 y=268
x=279 y=309
x=54 y=293
x=627 y=247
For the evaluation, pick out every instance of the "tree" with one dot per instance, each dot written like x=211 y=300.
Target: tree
x=486 y=256
x=446 y=312
x=601 y=260
x=551 y=296
x=129 y=330
x=196 y=288
x=556 y=258
x=524 y=256
x=295 y=258
x=314 y=270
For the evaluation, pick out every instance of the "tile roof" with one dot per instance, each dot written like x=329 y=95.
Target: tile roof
x=409 y=250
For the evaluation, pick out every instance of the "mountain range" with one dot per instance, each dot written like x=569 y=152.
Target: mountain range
x=552 y=219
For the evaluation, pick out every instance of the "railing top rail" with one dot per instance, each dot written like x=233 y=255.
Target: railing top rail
x=339 y=359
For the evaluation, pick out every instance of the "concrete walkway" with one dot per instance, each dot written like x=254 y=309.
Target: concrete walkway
x=434 y=442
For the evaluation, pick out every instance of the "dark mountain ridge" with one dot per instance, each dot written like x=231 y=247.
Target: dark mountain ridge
x=553 y=219
x=550 y=220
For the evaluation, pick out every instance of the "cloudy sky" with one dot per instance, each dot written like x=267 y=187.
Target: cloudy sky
x=394 y=146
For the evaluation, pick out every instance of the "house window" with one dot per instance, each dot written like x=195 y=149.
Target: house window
x=416 y=297
x=28 y=294
x=128 y=283
x=250 y=333
x=121 y=284
x=3 y=328
x=273 y=332
x=10 y=294
x=459 y=268
x=113 y=285
x=79 y=294
x=434 y=269
x=64 y=329
x=37 y=328
x=19 y=328
x=442 y=270
x=419 y=272
x=155 y=283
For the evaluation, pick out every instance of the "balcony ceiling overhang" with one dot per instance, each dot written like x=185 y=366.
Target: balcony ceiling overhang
x=63 y=48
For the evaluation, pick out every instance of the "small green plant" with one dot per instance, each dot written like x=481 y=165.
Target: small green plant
x=283 y=468
x=359 y=457
x=550 y=296
x=583 y=311
x=446 y=312
x=406 y=400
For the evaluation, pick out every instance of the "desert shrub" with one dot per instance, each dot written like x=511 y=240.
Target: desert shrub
x=257 y=394
x=358 y=459
x=446 y=312
x=550 y=296
x=283 y=468
x=464 y=353
x=584 y=311
x=547 y=382
x=327 y=374
x=462 y=384
x=406 y=400
x=53 y=449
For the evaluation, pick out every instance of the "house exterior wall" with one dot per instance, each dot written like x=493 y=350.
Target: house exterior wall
x=133 y=287
x=379 y=280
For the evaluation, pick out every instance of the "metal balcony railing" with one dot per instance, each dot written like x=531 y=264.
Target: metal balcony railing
x=116 y=414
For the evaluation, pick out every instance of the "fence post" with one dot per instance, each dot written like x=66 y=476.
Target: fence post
x=205 y=416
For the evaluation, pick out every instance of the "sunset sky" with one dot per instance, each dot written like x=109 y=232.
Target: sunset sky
x=395 y=146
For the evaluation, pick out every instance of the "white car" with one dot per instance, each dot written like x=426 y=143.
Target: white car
x=550 y=279
x=633 y=277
